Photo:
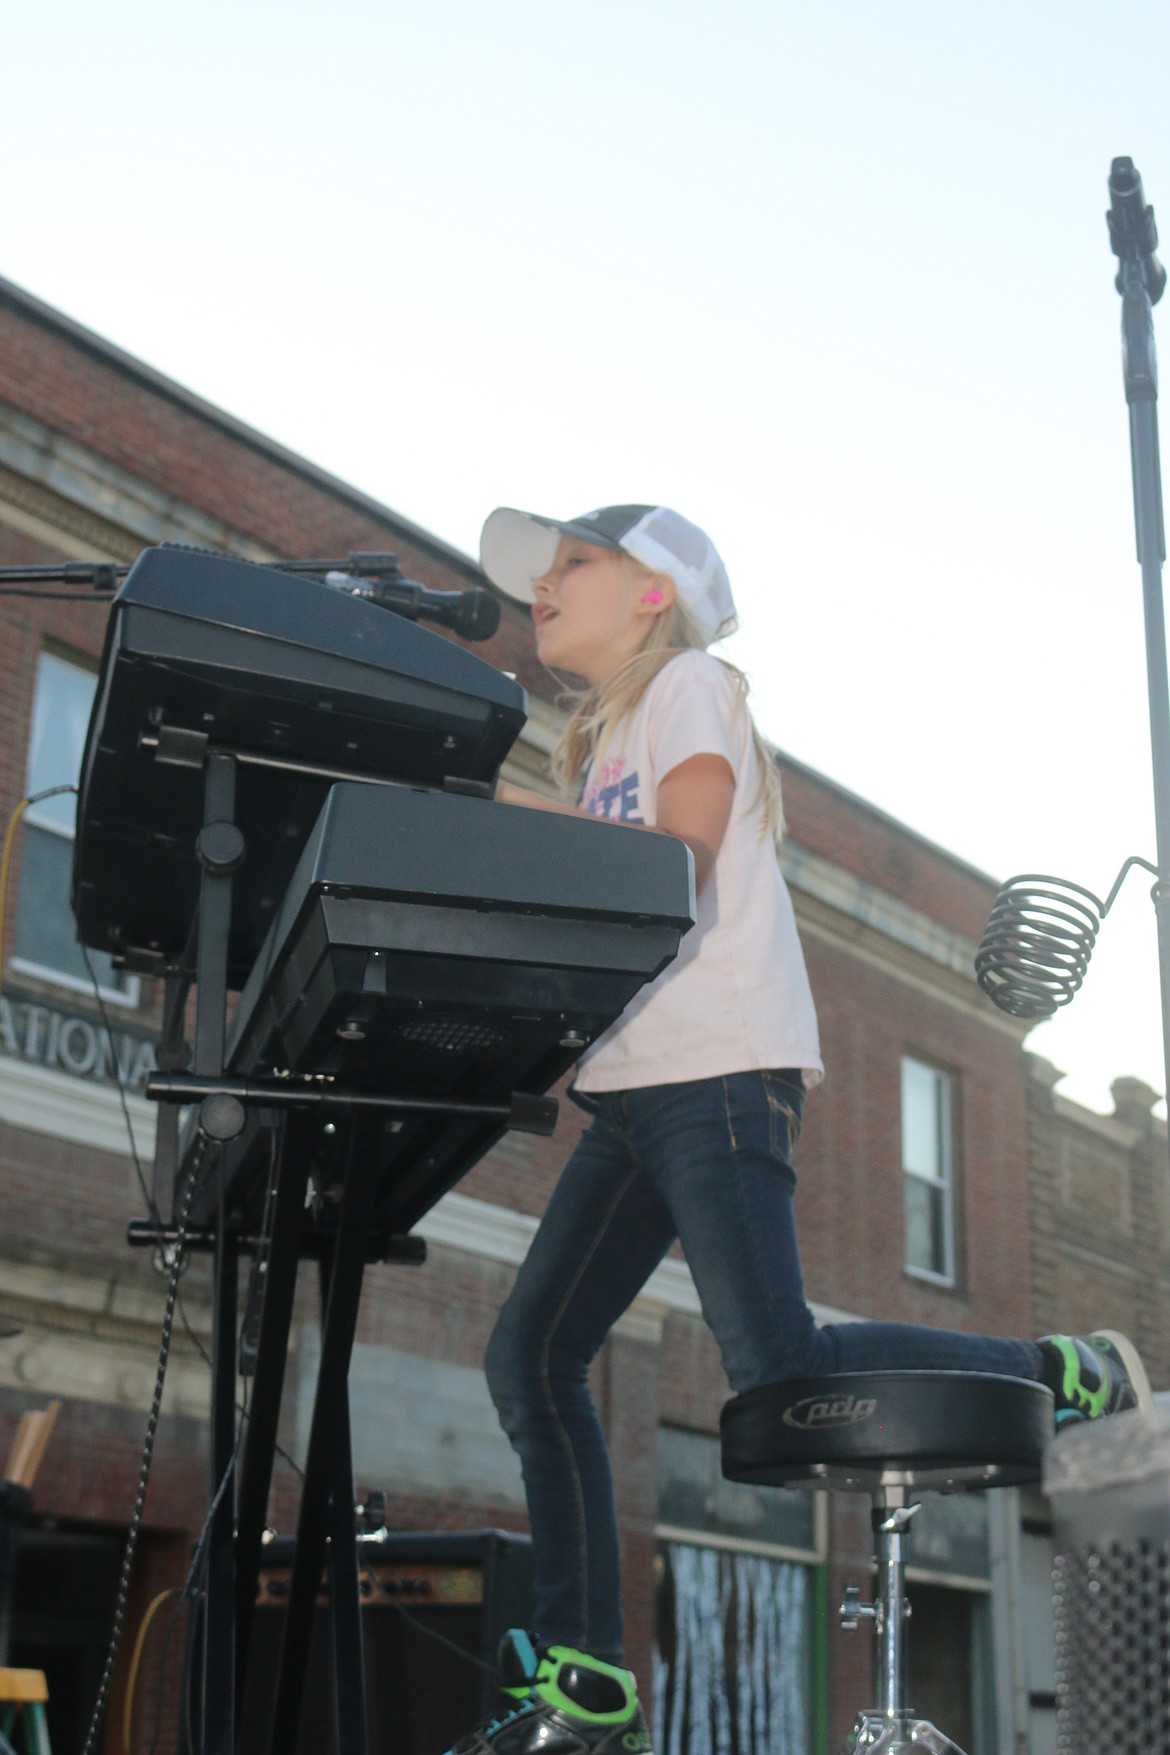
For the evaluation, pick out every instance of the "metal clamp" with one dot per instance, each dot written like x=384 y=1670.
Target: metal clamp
x=897 y=1521
x=853 y=1611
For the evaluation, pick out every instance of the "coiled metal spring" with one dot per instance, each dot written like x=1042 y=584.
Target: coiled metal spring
x=1038 y=941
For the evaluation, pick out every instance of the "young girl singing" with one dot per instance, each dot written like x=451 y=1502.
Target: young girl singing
x=696 y=1095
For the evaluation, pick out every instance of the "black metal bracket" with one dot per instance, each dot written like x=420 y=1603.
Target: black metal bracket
x=520 y=1110
x=409 y=1251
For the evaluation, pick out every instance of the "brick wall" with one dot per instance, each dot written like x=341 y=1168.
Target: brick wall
x=828 y=820
x=849 y=1158
x=1099 y=1232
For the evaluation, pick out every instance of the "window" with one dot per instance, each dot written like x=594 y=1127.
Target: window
x=927 y=1170
x=735 y=1660
x=694 y=1499
x=46 y=934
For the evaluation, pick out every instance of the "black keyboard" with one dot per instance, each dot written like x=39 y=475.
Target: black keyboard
x=440 y=946
x=303 y=685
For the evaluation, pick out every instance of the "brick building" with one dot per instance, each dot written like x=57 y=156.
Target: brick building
x=915 y=1198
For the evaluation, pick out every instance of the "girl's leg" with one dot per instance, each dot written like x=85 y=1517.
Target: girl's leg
x=604 y=1231
x=718 y=1151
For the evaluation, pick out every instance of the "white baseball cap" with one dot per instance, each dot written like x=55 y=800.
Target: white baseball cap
x=517 y=548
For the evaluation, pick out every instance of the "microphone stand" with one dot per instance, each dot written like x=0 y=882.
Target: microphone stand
x=473 y=614
x=1141 y=280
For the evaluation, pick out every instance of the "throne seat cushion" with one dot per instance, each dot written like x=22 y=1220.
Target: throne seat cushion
x=929 y=1429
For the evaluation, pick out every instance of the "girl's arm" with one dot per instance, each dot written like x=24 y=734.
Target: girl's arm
x=694 y=803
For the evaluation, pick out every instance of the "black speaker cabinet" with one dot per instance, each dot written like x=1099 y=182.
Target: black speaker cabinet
x=467 y=1586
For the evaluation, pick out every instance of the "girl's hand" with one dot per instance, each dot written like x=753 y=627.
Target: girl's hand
x=506 y=793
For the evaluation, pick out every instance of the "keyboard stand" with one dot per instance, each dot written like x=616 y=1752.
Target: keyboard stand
x=326 y=1525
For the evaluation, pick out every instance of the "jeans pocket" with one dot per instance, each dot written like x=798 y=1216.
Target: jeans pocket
x=785 y=1111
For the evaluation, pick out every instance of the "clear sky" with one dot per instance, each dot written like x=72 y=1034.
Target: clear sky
x=833 y=279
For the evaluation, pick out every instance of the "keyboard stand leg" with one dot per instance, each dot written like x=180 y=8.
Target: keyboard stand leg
x=219 y=1634
x=276 y=1310
x=349 y=1678
x=330 y=1418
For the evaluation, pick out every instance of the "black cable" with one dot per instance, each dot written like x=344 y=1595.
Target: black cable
x=241 y=1407
x=176 y=1265
x=174 y=1257
x=194 y=1585
x=198 y=1557
x=123 y=1593
x=151 y=1204
x=431 y=1632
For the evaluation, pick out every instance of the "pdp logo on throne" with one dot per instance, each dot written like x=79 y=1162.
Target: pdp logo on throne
x=816 y=1412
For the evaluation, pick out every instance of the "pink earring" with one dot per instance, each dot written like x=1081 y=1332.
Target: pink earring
x=651 y=597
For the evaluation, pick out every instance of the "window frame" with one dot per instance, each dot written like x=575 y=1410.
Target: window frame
x=946 y=1134
x=128 y=998
x=816 y=1555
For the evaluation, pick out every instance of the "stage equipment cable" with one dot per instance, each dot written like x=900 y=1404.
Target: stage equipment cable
x=152 y=1206
x=155 y=1605
x=172 y=1258
x=193 y=1584
x=143 y=1473
x=1036 y=945
x=430 y=1632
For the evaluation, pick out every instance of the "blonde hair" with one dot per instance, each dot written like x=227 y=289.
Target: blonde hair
x=600 y=709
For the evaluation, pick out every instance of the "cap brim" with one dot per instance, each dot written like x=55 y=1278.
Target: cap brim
x=518 y=548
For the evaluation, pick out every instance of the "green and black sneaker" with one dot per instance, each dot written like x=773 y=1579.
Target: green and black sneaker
x=567 y=1703
x=1094 y=1375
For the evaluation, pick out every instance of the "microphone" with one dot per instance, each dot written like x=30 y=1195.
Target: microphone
x=473 y=615
x=1132 y=231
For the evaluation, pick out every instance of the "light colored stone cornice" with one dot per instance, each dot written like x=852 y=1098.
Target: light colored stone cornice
x=95 y=1337
x=81 y=1110
x=848 y=894
x=870 y=943
x=120 y=512
x=1119 y=1134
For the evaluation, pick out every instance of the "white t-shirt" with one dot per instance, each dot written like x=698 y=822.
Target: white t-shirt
x=737 y=995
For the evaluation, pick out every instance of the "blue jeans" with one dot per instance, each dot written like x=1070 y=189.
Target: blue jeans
x=709 y=1162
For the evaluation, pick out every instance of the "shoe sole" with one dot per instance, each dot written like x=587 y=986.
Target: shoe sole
x=1132 y=1361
